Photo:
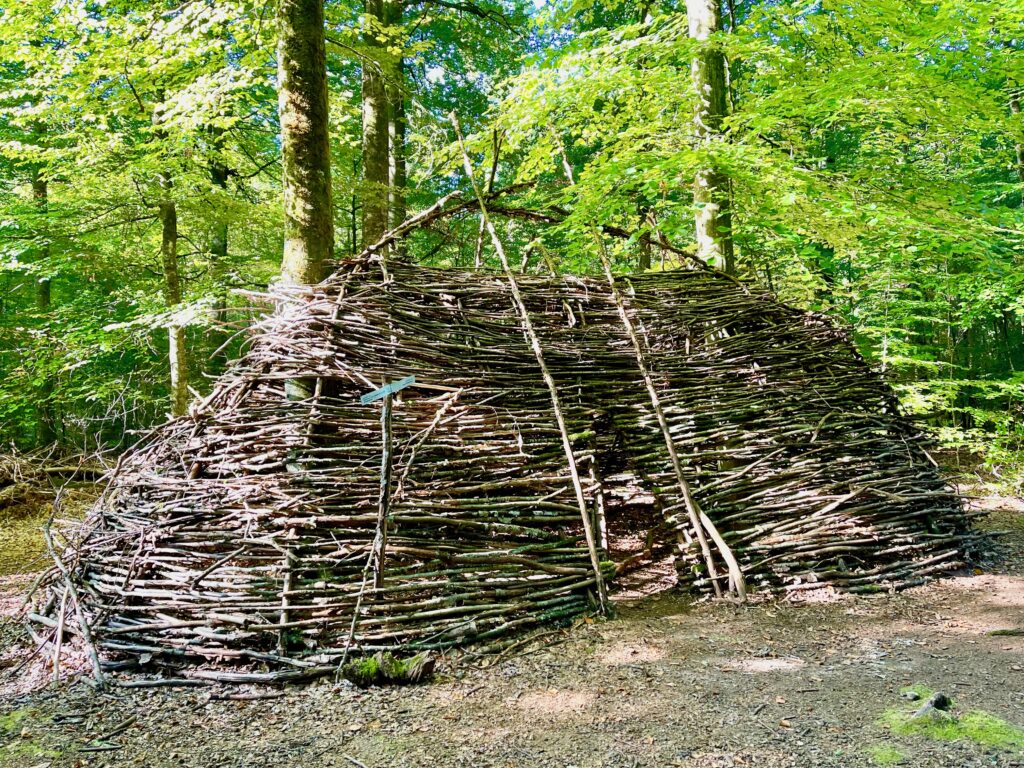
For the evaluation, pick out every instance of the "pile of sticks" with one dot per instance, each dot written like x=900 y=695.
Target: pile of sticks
x=245 y=532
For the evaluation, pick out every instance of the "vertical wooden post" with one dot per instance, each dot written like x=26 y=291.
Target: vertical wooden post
x=288 y=561
x=380 y=541
x=600 y=512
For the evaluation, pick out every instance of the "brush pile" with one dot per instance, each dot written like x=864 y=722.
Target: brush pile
x=251 y=530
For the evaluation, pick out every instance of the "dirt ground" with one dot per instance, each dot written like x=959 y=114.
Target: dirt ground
x=666 y=683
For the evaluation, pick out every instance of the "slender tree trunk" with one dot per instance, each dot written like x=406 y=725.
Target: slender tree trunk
x=643 y=210
x=711 y=189
x=168 y=214
x=46 y=423
x=396 y=131
x=376 y=164
x=645 y=214
x=302 y=106
x=219 y=239
x=218 y=335
x=396 y=122
x=354 y=236
x=1019 y=148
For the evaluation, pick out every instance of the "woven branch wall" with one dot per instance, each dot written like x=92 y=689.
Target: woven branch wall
x=245 y=530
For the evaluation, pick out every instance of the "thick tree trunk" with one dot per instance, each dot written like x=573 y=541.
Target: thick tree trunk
x=302 y=106
x=376 y=164
x=168 y=214
x=711 y=189
x=46 y=423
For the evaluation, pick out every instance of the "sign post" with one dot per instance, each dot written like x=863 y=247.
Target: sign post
x=380 y=539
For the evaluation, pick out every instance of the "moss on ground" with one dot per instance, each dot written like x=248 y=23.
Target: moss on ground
x=18 y=746
x=11 y=722
x=383 y=668
x=976 y=726
x=24 y=748
x=885 y=754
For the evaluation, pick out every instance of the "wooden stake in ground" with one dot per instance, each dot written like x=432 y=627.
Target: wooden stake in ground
x=380 y=539
x=538 y=352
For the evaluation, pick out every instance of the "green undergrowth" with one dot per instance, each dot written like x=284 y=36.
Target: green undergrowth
x=975 y=726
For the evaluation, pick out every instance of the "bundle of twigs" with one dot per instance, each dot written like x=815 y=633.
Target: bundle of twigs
x=245 y=531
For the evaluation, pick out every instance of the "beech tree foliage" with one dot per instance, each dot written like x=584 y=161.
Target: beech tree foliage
x=862 y=159
x=872 y=152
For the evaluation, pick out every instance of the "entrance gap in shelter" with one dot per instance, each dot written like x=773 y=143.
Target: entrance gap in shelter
x=633 y=532
x=637 y=540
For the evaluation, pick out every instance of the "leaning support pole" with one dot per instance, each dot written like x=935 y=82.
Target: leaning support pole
x=699 y=520
x=538 y=352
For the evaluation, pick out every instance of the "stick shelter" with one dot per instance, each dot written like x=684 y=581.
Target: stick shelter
x=254 y=529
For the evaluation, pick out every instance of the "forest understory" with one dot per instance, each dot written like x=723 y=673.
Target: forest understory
x=668 y=682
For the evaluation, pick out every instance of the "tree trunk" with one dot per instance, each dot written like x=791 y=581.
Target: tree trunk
x=302 y=107
x=1018 y=147
x=645 y=214
x=711 y=189
x=396 y=131
x=396 y=122
x=168 y=214
x=219 y=240
x=376 y=164
x=218 y=336
x=46 y=423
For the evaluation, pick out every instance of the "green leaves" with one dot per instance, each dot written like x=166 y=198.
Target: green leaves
x=871 y=151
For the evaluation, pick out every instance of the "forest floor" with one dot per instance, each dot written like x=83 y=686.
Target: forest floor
x=668 y=682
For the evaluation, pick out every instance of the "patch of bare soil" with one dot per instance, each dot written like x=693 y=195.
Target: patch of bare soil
x=667 y=683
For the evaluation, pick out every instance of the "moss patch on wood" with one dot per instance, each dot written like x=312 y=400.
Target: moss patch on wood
x=384 y=669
